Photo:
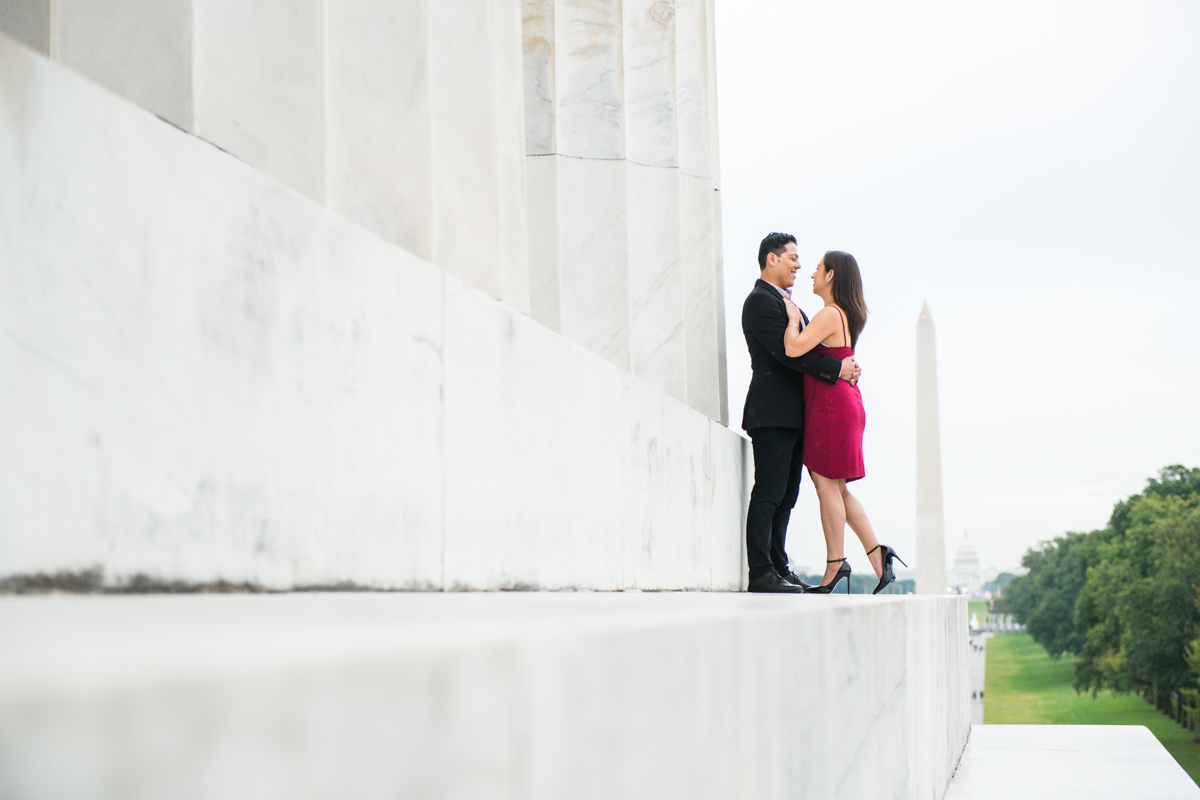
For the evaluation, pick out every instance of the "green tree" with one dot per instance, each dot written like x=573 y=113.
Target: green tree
x=1137 y=609
x=1124 y=599
x=1173 y=481
x=1044 y=598
x=1193 y=651
x=999 y=583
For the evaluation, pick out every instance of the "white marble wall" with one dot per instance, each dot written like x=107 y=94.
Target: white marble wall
x=231 y=382
x=627 y=84
x=406 y=117
x=423 y=122
x=597 y=696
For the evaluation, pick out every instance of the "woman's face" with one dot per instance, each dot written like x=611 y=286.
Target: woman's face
x=821 y=277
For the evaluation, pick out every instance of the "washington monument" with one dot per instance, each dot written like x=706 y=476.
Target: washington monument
x=931 y=547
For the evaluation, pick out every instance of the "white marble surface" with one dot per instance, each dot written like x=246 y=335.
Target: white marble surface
x=649 y=70
x=942 y=726
x=714 y=148
x=466 y=170
x=606 y=81
x=207 y=376
x=563 y=474
x=538 y=58
x=533 y=480
x=512 y=245
x=589 y=85
x=536 y=695
x=693 y=82
x=593 y=237
x=141 y=50
x=656 y=287
x=259 y=85
x=733 y=465
x=1044 y=762
x=380 y=125
x=719 y=304
x=541 y=192
x=702 y=301
x=28 y=21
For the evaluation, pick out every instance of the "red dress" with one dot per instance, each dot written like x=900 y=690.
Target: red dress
x=833 y=423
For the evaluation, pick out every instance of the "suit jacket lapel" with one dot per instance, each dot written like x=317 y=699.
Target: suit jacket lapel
x=774 y=292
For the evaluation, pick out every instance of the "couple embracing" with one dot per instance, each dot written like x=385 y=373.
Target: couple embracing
x=804 y=410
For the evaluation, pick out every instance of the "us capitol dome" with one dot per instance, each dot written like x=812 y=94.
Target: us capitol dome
x=967 y=577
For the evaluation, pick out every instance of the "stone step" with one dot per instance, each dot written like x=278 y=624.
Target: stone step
x=1050 y=762
x=481 y=695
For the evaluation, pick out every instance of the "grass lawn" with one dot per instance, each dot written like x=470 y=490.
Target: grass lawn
x=1025 y=686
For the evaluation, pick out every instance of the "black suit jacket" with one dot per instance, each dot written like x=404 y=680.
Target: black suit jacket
x=776 y=395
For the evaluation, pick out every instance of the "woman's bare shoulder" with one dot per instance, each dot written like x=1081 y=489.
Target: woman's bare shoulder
x=828 y=314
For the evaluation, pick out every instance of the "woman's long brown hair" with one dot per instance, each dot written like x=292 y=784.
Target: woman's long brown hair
x=847 y=291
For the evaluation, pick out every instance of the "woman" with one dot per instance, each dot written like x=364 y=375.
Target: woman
x=834 y=418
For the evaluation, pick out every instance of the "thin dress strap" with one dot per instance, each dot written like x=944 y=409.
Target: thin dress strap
x=845 y=331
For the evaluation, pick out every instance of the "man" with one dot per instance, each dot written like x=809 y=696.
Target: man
x=774 y=413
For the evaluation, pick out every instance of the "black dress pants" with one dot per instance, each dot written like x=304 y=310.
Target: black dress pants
x=777 y=471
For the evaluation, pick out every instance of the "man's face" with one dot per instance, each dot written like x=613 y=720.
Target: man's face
x=781 y=269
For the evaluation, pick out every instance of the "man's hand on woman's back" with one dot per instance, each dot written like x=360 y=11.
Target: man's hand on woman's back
x=850 y=370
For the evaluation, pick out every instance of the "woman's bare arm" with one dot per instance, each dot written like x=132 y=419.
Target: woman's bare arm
x=797 y=342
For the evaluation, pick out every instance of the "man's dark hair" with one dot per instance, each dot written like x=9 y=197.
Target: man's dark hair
x=774 y=243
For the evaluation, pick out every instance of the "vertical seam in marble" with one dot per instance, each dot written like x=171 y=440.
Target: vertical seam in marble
x=442 y=428
x=325 y=104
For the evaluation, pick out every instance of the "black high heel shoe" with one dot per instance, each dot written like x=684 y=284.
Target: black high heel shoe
x=887 y=574
x=843 y=572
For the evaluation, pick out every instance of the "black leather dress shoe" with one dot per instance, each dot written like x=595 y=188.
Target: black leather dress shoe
x=794 y=579
x=773 y=583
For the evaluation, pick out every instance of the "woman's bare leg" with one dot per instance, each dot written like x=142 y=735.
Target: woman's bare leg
x=833 y=520
x=856 y=517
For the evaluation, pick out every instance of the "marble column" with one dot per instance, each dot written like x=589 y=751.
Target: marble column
x=592 y=181
x=507 y=71
x=703 y=298
x=658 y=353
x=624 y=219
x=931 y=548
x=541 y=163
x=466 y=175
x=29 y=22
x=380 y=119
x=138 y=48
x=593 y=224
x=260 y=85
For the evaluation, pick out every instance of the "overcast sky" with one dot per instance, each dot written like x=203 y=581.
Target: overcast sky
x=1032 y=169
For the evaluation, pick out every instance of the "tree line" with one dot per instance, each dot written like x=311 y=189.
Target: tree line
x=1124 y=600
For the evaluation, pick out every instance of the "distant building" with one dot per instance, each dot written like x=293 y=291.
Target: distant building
x=967 y=577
